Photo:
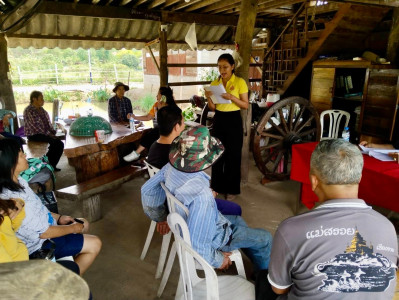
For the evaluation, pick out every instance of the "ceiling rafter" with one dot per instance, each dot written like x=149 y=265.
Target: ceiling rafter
x=170 y=2
x=218 y=5
x=277 y=4
x=201 y=4
x=124 y=2
x=186 y=4
x=156 y=3
x=139 y=2
x=119 y=12
x=390 y=3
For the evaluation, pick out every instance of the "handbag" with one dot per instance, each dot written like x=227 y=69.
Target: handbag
x=45 y=252
x=48 y=198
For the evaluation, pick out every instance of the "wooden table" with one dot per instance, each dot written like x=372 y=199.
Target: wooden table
x=91 y=159
x=378 y=186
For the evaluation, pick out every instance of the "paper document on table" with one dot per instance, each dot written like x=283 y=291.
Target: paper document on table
x=217 y=91
x=380 y=154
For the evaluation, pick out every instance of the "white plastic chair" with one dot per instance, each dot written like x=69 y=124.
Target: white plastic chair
x=174 y=206
x=165 y=238
x=335 y=117
x=212 y=286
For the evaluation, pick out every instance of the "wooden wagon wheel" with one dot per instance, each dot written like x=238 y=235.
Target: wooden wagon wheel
x=289 y=121
x=204 y=120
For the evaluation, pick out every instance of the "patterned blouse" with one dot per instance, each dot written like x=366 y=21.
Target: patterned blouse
x=118 y=109
x=37 y=121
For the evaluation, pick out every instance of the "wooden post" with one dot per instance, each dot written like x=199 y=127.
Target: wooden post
x=6 y=91
x=163 y=55
x=245 y=31
x=393 y=39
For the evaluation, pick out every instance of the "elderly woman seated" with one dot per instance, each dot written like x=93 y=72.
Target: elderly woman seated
x=6 y=124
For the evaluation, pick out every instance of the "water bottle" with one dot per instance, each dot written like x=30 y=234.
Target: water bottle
x=346 y=134
x=55 y=122
x=131 y=122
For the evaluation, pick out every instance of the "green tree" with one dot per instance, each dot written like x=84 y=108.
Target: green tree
x=82 y=55
x=103 y=55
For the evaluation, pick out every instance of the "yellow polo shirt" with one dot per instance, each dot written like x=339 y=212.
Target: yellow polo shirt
x=235 y=86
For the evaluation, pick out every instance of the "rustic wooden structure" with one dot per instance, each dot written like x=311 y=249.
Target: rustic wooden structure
x=89 y=191
x=289 y=121
x=296 y=46
x=136 y=23
x=245 y=28
x=6 y=92
x=349 y=85
x=393 y=40
x=91 y=159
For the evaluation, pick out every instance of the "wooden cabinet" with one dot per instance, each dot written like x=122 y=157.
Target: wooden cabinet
x=380 y=104
x=368 y=92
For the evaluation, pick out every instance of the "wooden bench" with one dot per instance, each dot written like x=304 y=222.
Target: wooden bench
x=89 y=191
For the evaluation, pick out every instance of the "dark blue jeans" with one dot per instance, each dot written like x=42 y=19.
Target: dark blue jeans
x=256 y=243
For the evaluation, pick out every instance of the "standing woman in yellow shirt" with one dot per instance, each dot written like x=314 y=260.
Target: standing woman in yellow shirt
x=227 y=126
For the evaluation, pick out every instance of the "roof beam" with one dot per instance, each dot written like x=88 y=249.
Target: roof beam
x=220 y=5
x=277 y=4
x=186 y=4
x=156 y=3
x=170 y=2
x=201 y=4
x=113 y=12
x=391 y=3
x=139 y=3
x=105 y=39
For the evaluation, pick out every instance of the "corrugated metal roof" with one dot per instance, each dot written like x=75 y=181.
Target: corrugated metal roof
x=73 y=32
x=132 y=23
x=129 y=24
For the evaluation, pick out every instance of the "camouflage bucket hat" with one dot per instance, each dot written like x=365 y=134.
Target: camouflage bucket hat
x=195 y=150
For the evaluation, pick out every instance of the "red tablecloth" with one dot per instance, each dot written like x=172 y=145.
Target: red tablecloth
x=379 y=185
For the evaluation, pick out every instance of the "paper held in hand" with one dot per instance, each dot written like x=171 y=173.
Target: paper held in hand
x=380 y=154
x=217 y=91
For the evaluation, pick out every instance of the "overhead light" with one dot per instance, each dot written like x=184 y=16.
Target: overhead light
x=187 y=1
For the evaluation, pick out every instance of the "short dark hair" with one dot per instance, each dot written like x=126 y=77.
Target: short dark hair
x=9 y=152
x=168 y=117
x=35 y=94
x=229 y=58
x=168 y=93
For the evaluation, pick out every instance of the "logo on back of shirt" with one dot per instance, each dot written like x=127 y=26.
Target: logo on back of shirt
x=358 y=269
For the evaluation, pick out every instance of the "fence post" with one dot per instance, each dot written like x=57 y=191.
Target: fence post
x=19 y=75
x=91 y=79
x=116 y=73
x=56 y=73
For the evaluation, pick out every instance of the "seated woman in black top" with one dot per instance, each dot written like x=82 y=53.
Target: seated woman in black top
x=164 y=98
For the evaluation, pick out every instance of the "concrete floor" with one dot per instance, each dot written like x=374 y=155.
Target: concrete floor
x=118 y=273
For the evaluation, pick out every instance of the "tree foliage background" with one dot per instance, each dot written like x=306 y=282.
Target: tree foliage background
x=37 y=65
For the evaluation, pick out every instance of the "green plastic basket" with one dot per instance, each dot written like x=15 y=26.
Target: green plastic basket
x=85 y=126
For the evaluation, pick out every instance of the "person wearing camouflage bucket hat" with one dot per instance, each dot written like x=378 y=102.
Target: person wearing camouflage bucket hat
x=195 y=150
x=213 y=234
